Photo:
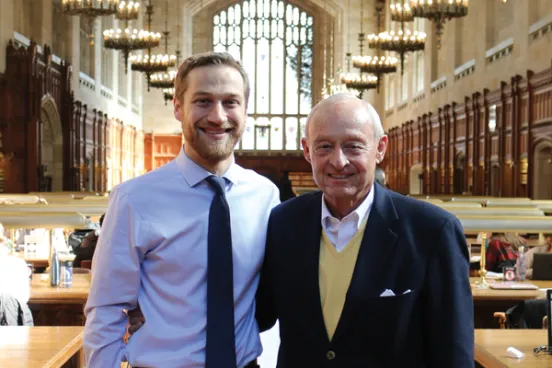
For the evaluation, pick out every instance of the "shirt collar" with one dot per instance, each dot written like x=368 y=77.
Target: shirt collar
x=359 y=213
x=194 y=174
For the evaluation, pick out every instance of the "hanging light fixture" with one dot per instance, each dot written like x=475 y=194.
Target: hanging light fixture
x=149 y=64
x=401 y=13
x=90 y=8
x=163 y=80
x=402 y=41
x=128 y=10
x=360 y=83
x=168 y=94
x=379 y=64
x=166 y=79
x=376 y=65
x=439 y=11
x=130 y=40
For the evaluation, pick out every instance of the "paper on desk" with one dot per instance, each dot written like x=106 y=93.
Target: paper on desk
x=494 y=275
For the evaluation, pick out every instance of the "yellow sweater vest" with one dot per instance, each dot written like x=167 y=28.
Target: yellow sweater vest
x=335 y=273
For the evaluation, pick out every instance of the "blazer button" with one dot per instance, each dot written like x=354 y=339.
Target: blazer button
x=330 y=355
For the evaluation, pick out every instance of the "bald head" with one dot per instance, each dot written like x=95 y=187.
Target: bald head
x=352 y=102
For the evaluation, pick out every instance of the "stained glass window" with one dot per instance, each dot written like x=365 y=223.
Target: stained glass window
x=274 y=41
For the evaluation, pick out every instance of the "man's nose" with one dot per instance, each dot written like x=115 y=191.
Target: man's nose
x=217 y=114
x=339 y=160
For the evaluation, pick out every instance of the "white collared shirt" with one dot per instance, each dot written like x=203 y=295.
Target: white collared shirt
x=341 y=232
x=153 y=251
x=14 y=277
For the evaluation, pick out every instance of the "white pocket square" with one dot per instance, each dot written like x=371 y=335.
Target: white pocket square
x=389 y=292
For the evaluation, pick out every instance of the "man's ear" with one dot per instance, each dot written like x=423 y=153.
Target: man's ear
x=306 y=149
x=381 y=149
x=177 y=109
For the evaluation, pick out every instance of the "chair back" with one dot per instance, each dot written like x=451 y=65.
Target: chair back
x=86 y=264
x=81 y=269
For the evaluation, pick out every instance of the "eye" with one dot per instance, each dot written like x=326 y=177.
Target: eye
x=322 y=148
x=231 y=103
x=354 y=148
x=202 y=101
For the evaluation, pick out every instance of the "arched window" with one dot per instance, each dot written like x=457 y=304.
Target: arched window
x=274 y=41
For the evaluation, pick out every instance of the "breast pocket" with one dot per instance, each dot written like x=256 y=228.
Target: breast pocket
x=385 y=320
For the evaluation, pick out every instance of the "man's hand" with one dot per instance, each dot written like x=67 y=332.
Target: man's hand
x=135 y=320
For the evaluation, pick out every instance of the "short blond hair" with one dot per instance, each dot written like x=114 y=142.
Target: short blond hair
x=207 y=59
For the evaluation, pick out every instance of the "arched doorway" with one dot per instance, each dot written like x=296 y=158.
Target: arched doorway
x=542 y=173
x=416 y=180
x=51 y=167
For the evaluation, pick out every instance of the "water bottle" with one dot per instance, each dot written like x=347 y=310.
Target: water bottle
x=520 y=264
x=54 y=269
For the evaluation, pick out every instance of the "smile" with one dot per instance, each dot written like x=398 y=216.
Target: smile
x=334 y=176
x=216 y=133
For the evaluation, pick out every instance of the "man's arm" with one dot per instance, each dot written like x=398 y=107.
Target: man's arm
x=115 y=285
x=265 y=312
x=449 y=304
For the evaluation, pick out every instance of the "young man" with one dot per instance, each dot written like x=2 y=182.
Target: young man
x=357 y=275
x=186 y=241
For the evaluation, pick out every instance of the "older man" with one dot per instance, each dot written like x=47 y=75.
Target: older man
x=186 y=241
x=357 y=275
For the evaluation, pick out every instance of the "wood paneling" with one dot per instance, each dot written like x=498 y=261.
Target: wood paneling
x=162 y=148
x=458 y=151
x=92 y=143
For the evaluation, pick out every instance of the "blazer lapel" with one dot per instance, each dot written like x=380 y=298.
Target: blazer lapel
x=378 y=244
x=311 y=246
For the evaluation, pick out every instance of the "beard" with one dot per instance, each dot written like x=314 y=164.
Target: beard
x=213 y=150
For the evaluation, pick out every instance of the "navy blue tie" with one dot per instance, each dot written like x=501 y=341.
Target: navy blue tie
x=221 y=346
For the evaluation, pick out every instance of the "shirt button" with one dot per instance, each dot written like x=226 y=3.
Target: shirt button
x=330 y=355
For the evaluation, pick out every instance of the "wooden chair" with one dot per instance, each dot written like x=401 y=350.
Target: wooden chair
x=86 y=264
x=501 y=319
x=81 y=270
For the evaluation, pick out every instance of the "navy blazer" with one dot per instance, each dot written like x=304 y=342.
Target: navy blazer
x=407 y=245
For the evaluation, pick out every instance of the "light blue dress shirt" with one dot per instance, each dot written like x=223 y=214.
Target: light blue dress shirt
x=153 y=251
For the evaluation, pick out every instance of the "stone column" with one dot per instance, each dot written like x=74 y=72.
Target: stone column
x=43 y=26
x=74 y=52
x=98 y=40
x=7 y=27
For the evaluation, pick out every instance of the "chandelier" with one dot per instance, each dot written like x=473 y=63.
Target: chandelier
x=91 y=8
x=359 y=83
x=163 y=80
x=400 y=13
x=333 y=88
x=130 y=40
x=149 y=63
x=376 y=64
x=439 y=11
x=166 y=79
x=128 y=10
x=168 y=94
x=401 y=42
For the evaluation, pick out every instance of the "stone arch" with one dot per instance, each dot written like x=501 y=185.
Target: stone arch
x=542 y=170
x=416 y=180
x=51 y=144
